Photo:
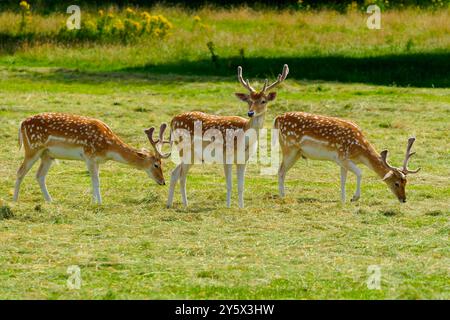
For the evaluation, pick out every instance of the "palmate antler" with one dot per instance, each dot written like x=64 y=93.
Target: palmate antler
x=408 y=155
x=157 y=145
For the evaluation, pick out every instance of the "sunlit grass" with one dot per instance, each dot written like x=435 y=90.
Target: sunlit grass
x=259 y=33
x=307 y=245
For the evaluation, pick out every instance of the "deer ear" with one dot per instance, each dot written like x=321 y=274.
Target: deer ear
x=143 y=153
x=242 y=96
x=388 y=175
x=271 y=96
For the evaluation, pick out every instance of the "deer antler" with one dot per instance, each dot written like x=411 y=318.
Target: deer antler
x=408 y=155
x=246 y=84
x=281 y=78
x=157 y=145
x=383 y=155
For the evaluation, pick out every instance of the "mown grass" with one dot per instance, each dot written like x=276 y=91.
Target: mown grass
x=307 y=245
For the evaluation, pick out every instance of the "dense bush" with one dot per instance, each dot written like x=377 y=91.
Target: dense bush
x=111 y=25
x=125 y=25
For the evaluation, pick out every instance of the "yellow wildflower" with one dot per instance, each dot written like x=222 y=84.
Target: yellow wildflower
x=145 y=15
x=166 y=24
x=129 y=11
x=90 y=25
x=24 y=5
x=353 y=6
x=157 y=32
x=118 y=25
x=136 y=25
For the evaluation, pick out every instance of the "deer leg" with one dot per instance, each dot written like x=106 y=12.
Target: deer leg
x=229 y=179
x=289 y=158
x=173 y=181
x=92 y=166
x=343 y=180
x=27 y=164
x=46 y=163
x=183 y=177
x=353 y=168
x=241 y=177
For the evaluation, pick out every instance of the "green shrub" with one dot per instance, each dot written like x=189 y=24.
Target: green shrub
x=126 y=25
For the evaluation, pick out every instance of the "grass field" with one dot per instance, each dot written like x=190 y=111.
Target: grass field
x=307 y=245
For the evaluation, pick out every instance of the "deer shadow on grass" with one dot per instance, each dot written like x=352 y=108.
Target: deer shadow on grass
x=312 y=200
x=193 y=209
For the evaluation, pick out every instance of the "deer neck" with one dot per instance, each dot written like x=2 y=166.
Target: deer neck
x=256 y=122
x=126 y=154
x=372 y=160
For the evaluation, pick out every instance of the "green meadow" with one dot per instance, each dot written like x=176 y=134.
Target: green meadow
x=393 y=82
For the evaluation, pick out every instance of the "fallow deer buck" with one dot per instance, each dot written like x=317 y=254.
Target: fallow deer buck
x=327 y=138
x=257 y=103
x=50 y=136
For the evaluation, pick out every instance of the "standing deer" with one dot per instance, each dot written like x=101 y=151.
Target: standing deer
x=327 y=138
x=50 y=136
x=257 y=103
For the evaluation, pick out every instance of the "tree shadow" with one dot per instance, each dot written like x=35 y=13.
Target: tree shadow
x=427 y=70
x=417 y=70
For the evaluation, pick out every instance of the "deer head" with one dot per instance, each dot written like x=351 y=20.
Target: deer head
x=257 y=101
x=395 y=178
x=153 y=165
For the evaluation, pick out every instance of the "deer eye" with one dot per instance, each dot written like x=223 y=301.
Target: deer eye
x=397 y=184
x=156 y=165
x=263 y=102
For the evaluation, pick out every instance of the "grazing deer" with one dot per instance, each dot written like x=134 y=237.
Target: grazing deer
x=326 y=138
x=257 y=102
x=50 y=136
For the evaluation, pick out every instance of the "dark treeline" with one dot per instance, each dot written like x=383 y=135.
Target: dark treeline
x=50 y=5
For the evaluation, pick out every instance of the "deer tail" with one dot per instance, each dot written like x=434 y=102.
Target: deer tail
x=275 y=123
